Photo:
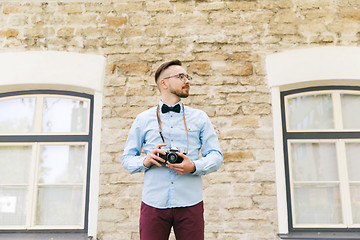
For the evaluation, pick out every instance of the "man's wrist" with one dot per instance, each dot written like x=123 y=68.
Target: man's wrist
x=194 y=168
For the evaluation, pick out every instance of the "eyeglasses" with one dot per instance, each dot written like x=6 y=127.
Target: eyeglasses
x=181 y=76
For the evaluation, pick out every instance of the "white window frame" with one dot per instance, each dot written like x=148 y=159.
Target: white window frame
x=62 y=71
x=38 y=117
x=302 y=68
x=33 y=187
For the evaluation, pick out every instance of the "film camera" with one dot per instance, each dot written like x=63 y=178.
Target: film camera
x=171 y=156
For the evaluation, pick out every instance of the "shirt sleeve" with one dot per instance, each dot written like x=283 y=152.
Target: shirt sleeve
x=131 y=159
x=212 y=158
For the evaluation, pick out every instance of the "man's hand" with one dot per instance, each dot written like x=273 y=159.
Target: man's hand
x=187 y=166
x=153 y=158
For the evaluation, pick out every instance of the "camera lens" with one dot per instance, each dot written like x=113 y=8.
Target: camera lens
x=172 y=157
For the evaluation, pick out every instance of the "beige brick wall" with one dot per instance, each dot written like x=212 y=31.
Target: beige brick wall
x=223 y=44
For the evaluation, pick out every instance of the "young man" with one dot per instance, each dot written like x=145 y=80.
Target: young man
x=172 y=193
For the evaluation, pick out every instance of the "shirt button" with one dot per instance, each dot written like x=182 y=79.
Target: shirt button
x=171 y=126
x=172 y=140
x=170 y=115
x=172 y=182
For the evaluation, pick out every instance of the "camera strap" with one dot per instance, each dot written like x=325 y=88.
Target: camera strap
x=160 y=129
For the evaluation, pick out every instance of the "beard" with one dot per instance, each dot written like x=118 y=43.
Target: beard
x=183 y=93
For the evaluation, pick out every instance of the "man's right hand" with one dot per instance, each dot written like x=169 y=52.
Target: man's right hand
x=153 y=158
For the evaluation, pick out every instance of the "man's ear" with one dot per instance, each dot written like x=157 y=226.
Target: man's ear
x=163 y=83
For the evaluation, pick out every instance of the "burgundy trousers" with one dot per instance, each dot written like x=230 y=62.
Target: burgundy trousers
x=188 y=222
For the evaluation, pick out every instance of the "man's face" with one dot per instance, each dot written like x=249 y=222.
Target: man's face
x=176 y=85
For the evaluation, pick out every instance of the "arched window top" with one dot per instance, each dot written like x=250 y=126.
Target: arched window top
x=51 y=70
x=314 y=67
x=44 y=113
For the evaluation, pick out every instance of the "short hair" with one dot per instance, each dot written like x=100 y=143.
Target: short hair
x=165 y=66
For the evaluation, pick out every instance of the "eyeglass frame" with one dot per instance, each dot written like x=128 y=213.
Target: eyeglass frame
x=181 y=76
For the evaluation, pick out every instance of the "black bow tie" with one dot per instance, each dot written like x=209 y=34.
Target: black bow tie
x=165 y=108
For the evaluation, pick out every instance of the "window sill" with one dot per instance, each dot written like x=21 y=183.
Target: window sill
x=44 y=236
x=321 y=235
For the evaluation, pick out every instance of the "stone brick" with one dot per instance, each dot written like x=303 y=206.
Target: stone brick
x=115 y=21
x=17 y=20
x=186 y=6
x=212 y=56
x=283 y=29
x=350 y=13
x=238 y=156
x=65 y=32
x=236 y=69
x=286 y=16
x=265 y=202
x=39 y=32
x=258 y=16
x=308 y=4
x=220 y=17
x=9 y=33
x=210 y=6
x=242 y=6
x=71 y=8
x=9 y=9
x=133 y=68
x=200 y=68
x=256 y=109
x=128 y=6
x=247 y=189
x=238 y=203
x=159 y=6
x=112 y=215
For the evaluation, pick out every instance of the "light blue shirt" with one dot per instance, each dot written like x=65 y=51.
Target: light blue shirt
x=163 y=187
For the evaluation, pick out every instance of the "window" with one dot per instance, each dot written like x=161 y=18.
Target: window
x=315 y=99
x=45 y=146
x=322 y=142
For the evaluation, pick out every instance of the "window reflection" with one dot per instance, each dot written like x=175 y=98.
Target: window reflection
x=59 y=205
x=19 y=117
x=310 y=112
x=64 y=115
x=317 y=204
x=14 y=164
x=61 y=164
x=314 y=162
x=350 y=111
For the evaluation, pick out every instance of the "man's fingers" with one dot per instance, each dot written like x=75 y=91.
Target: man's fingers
x=156 y=157
x=156 y=162
x=160 y=145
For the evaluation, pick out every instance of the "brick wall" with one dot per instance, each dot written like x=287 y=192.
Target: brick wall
x=223 y=44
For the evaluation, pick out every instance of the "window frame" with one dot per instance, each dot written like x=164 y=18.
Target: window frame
x=325 y=135
x=55 y=138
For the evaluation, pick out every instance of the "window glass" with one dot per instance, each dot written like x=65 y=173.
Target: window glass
x=353 y=160
x=355 y=202
x=353 y=165
x=64 y=115
x=13 y=205
x=59 y=205
x=15 y=163
x=310 y=112
x=61 y=164
x=350 y=111
x=19 y=117
x=314 y=162
x=317 y=204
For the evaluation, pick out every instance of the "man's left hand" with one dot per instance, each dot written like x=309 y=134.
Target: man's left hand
x=186 y=166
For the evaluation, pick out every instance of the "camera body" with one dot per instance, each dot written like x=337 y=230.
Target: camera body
x=171 y=156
